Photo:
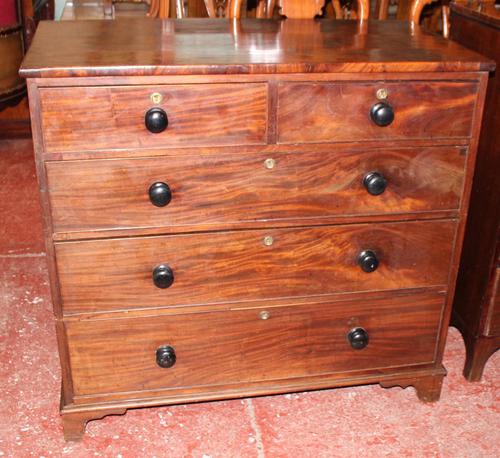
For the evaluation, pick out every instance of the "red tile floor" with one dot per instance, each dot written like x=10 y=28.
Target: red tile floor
x=364 y=421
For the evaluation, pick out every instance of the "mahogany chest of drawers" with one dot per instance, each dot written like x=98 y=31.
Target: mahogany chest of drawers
x=244 y=208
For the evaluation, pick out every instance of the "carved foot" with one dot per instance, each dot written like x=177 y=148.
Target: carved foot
x=428 y=388
x=478 y=352
x=74 y=422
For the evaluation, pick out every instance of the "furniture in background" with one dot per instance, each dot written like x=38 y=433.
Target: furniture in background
x=12 y=86
x=417 y=8
x=434 y=19
x=294 y=9
x=18 y=21
x=476 y=310
x=270 y=225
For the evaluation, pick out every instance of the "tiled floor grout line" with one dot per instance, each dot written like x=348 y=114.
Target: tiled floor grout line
x=253 y=421
x=22 y=255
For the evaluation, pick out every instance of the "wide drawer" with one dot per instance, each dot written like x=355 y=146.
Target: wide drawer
x=335 y=112
x=212 y=191
x=242 y=346
x=250 y=265
x=91 y=118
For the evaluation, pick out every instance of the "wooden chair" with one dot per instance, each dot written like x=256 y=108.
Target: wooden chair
x=416 y=8
x=164 y=9
x=293 y=9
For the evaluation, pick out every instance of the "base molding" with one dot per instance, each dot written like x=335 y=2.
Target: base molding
x=75 y=417
x=428 y=388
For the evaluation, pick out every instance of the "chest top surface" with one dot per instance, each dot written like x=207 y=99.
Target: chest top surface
x=129 y=47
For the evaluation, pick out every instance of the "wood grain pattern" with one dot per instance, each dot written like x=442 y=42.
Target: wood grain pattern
x=211 y=46
x=226 y=347
x=237 y=266
x=113 y=117
x=217 y=191
x=316 y=112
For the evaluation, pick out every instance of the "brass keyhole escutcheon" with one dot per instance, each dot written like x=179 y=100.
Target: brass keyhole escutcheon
x=156 y=98
x=269 y=163
x=268 y=240
x=382 y=94
x=264 y=315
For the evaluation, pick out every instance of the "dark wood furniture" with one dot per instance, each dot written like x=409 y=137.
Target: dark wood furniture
x=476 y=310
x=259 y=213
x=18 y=20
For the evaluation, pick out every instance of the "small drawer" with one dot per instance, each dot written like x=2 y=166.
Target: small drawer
x=336 y=112
x=203 y=192
x=242 y=346
x=93 y=118
x=210 y=268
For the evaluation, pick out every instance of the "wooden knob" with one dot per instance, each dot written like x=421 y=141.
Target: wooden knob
x=358 y=338
x=163 y=276
x=156 y=120
x=375 y=183
x=382 y=114
x=368 y=261
x=160 y=194
x=165 y=356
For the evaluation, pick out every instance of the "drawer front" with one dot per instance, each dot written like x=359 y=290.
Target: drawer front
x=92 y=118
x=230 y=189
x=239 y=346
x=250 y=265
x=325 y=112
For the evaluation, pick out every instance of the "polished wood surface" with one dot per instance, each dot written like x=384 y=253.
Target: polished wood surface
x=119 y=355
x=239 y=266
x=198 y=115
x=243 y=234
x=476 y=306
x=221 y=190
x=201 y=46
x=340 y=111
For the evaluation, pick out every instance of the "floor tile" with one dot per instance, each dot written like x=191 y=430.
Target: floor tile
x=20 y=217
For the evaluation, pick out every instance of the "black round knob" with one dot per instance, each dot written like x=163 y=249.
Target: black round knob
x=358 y=338
x=163 y=276
x=375 y=183
x=160 y=194
x=368 y=261
x=165 y=356
x=156 y=120
x=382 y=114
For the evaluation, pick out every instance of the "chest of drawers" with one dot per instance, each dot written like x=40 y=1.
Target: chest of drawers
x=234 y=210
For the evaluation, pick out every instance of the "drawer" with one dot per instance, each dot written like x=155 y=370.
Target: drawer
x=213 y=191
x=91 y=118
x=239 y=346
x=219 y=267
x=336 y=112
